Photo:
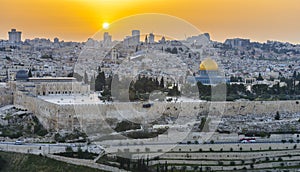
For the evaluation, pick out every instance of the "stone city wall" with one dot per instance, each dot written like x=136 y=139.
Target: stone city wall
x=6 y=97
x=91 y=118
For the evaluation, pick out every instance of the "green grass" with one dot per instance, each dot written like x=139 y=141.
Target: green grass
x=15 y=162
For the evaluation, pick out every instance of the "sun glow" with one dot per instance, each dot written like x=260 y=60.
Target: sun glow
x=105 y=25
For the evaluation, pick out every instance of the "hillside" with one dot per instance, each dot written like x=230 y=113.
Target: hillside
x=15 y=162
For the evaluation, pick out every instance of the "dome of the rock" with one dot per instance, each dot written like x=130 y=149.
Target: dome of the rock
x=208 y=65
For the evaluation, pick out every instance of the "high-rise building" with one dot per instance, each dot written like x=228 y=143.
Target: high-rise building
x=151 y=38
x=14 y=36
x=135 y=37
x=132 y=40
x=237 y=42
x=106 y=38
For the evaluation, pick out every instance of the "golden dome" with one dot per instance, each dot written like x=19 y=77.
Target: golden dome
x=209 y=64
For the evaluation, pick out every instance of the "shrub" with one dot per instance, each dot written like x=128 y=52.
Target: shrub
x=277 y=116
x=69 y=149
x=2 y=163
x=126 y=125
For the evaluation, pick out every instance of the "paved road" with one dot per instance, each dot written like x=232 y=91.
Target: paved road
x=36 y=144
x=185 y=144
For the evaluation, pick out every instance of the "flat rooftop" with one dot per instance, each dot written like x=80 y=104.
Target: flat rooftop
x=52 y=79
x=72 y=99
x=93 y=99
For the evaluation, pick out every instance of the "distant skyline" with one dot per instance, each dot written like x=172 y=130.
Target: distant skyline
x=77 y=20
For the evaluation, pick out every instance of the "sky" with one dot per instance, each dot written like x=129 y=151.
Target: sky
x=77 y=20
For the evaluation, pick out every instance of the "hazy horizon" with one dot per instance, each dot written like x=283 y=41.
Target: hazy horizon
x=77 y=20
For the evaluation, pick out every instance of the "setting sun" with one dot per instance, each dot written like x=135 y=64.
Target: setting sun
x=105 y=25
